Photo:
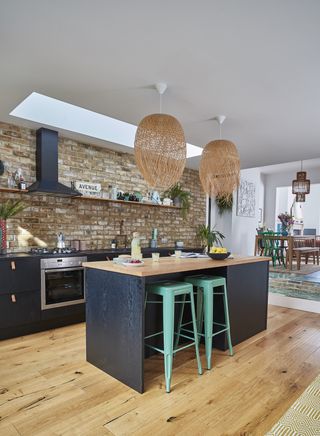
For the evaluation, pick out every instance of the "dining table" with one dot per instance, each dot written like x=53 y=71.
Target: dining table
x=289 y=242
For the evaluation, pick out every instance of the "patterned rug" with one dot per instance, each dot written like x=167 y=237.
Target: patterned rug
x=303 y=417
x=305 y=269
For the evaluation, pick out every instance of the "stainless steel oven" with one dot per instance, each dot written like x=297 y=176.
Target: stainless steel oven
x=62 y=281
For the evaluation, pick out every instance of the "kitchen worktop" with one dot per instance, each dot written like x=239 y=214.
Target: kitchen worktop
x=102 y=251
x=168 y=265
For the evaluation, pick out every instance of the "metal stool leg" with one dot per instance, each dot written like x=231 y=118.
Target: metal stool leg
x=199 y=311
x=227 y=320
x=168 y=329
x=195 y=332
x=176 y=342
x=208 y=321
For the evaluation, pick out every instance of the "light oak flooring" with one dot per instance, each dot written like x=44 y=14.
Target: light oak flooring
x=47 y=388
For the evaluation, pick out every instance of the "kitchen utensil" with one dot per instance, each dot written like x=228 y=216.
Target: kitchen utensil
x=60 y=240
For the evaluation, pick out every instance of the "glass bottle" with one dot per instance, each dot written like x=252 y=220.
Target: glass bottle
x=136 y=247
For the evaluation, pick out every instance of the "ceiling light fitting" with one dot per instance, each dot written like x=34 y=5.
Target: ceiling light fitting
x=219 y=169
x=301 y=186
x=160 y=147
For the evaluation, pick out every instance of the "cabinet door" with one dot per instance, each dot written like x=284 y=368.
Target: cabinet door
x=26 y=275
x=19 y=275
x=18 y=309
x=6 y=276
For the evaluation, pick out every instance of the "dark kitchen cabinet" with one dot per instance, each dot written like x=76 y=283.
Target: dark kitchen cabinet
x=20 y=300
x=6 y=276
x=19 y=308
x=19 y=275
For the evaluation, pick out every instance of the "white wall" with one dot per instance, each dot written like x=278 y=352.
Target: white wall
x=284 y=201
x=311 y=209
x=240 y=231
x=272 y=181
x=223 y=223
x=244 y=228
x=261 y=198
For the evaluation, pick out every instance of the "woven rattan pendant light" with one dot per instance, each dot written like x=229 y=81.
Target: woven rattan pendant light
x=301 y=186
x=219 y=166
x=160 y=148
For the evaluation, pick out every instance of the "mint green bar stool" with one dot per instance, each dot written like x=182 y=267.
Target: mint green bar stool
x=206 y=290
x=168 y=291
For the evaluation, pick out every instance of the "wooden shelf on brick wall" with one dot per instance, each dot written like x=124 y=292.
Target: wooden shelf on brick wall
x=13 y=190
x=135 y=203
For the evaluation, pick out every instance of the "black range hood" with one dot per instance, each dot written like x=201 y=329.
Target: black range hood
x=47 y=166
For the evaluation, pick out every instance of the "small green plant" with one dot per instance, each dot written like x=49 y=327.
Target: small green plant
x=11 y=208
x=209 y=237
x=179 y=197
x=224 y=203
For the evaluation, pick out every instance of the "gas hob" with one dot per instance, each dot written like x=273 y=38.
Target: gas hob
x=53 y=251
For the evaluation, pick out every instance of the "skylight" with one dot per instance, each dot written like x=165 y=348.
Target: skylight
x=56 y=113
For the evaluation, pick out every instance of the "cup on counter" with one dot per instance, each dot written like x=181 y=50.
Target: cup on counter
x=155 y=257
x=177 y=253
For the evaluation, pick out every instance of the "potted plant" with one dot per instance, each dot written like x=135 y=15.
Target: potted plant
x=7 y=210
x=180 y=198
x=209 y=237
x=224 y=203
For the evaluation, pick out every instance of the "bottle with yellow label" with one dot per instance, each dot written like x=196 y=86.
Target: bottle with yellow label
x=136 y=247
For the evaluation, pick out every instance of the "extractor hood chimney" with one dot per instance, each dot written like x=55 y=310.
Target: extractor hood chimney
x=47 y=166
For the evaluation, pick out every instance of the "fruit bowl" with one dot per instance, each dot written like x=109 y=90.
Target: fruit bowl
x=219 y=256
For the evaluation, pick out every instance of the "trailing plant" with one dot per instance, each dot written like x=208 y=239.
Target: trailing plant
x=177 y=194
x=11 y=208
x=224 y=202
x=209 y=237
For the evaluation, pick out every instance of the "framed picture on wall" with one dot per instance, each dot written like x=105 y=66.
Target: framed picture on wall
x=246 y=199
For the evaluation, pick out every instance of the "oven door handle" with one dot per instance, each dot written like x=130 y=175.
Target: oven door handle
x=80 y=268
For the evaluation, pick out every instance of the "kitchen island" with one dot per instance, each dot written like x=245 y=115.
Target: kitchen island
x=115 y=309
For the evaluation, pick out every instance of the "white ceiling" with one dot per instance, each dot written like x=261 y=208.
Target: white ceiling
x=292 y=167
x=256 y=61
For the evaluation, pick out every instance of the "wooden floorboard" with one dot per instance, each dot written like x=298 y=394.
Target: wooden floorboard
x=47 y=387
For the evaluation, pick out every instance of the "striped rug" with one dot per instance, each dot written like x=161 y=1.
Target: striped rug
x=303 y=417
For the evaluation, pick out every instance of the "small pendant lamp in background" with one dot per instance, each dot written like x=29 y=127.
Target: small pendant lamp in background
x=219 y=169
x=301 y=186
x=160 y=148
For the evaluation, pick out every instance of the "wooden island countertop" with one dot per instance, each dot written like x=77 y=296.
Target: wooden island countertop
x=170 y=265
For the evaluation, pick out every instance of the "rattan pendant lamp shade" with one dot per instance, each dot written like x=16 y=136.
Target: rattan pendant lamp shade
x=160 y=148
x=219 y=168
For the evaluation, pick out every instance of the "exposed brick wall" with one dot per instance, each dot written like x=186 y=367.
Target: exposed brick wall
x=96 y=222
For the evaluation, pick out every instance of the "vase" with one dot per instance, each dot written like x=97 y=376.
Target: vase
x=3 y=239
x=177 y=202
x=284 y=231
